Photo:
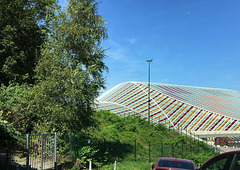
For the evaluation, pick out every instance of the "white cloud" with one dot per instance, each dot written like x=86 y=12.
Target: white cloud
x=132 y=40
x=117 y=54
x=120 y=51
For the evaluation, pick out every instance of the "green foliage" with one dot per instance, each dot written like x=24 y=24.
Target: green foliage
x=128 y=165
x=69 y=72
x=51 y=64
x=14 y=105
x=87 y=154
x=8 y=135
x=21 y=37
x=128 y=139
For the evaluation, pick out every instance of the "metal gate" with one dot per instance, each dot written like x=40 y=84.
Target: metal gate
x=41 y=151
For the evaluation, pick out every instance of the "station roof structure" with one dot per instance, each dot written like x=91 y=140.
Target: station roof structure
x=179 y=107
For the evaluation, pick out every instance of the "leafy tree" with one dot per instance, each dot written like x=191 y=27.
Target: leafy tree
x=18 y=107
x=51 y=65
x=22 y=33
x=69 y=72
x=8 y=134
x=21 y=37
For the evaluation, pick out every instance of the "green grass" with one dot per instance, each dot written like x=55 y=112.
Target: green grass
x=126 y=139
x=127 y=165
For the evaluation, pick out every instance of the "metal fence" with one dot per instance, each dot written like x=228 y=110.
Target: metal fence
x=41 y=151
x=141 y=150
x=5 y=157
x=7 y=152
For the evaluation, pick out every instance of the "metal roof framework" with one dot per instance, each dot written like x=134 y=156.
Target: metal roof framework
x=179 y=107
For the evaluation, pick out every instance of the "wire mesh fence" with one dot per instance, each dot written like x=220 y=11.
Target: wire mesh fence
x=137 y=150
x=41 y=151
x=101 y=151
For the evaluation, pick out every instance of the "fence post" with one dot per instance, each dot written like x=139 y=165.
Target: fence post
x=7 y=161
x=90 y=165
x=27 y=159
x=115 y=165
x=149 y=152
x=104 y=145
x=182 y=150
x=135 y=150
x=74 y=146
x=78 y=143
x=118 y=151
x=42 y=153
x=198 y=144
x=172 y=150
x=162 y=149
x=213 y=149
x=55 y=151
x=194 y=138
x=190 y=133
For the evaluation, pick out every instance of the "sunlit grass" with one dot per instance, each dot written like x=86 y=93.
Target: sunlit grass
x=128 y=166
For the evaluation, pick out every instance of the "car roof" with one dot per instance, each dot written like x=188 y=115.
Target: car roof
x=175 y=159
x=237 y=151
x=231 y=152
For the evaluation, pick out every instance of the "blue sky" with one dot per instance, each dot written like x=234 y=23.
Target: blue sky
x=191 y=42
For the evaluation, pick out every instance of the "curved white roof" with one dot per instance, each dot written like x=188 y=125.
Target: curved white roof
x=186 y=107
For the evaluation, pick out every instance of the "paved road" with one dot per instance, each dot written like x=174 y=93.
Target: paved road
x=227 y=149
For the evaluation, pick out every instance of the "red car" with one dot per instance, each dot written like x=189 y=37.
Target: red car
x=174 y=164
x=224 y=161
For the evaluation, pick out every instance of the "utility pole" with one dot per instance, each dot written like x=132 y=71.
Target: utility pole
x=149 y=61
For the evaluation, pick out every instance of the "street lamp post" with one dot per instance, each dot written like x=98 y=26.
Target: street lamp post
x=149 y=60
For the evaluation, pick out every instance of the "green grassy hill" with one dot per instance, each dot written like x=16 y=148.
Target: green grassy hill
x=133 y=142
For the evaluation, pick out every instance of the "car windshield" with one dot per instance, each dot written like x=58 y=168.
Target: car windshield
x=176 y=164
